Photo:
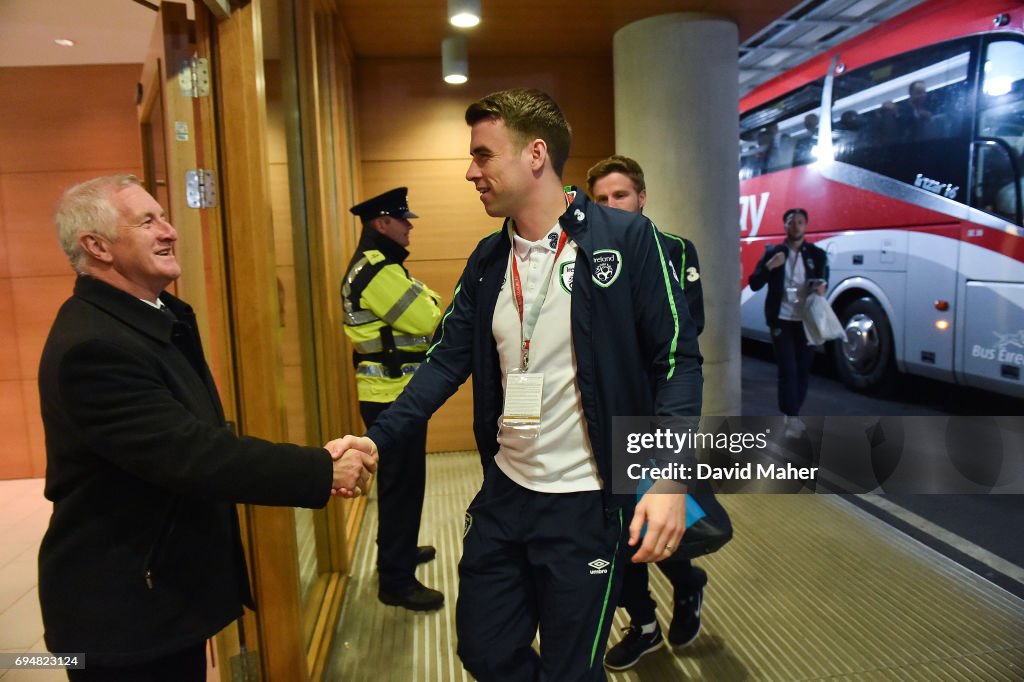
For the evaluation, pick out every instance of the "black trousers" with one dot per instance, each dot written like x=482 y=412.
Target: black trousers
x=529 y=560
x=401 y=476
x=793 y=358
x=685 y=578
x=188 y=665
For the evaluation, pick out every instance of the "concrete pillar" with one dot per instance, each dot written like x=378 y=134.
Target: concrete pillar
x=676 y=113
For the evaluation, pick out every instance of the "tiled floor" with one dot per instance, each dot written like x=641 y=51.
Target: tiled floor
x=812 y=588
x=24 y=513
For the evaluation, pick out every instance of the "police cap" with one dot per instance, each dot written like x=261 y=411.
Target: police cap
x=392 y=203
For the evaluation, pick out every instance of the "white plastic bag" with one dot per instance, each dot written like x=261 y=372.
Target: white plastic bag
x=820 y=323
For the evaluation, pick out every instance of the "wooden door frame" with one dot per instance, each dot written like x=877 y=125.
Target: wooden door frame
x=245 y=191
x=237 y=112
x=323 y=67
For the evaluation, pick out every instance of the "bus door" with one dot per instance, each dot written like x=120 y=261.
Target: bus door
x=992 y=319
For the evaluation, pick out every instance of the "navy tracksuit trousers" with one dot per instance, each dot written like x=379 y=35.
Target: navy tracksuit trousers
x=533 y=560
x=793 y=358
x=685 y=578
x=401 y=476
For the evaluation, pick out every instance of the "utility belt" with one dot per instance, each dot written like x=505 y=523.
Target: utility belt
x=390 y=357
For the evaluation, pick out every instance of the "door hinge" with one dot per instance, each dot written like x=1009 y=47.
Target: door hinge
x=194 y=77
x=200 y=188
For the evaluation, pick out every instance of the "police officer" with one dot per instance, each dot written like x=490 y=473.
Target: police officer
x=390 y=317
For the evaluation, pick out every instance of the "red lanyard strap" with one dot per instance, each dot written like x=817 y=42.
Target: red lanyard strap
x=528 y=323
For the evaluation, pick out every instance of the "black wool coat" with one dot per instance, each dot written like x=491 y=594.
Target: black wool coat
x=143 y=555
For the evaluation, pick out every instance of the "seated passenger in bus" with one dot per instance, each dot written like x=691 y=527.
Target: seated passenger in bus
x=774 y=150
x=1006 y=200
x=846 y=134
x=803 y=150
x=917 y=116
x=887 y=126
x=1007 y=196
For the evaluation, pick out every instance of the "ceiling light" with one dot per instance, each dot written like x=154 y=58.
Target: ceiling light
x=454 y=62
x=464 y=13
x=65 y=42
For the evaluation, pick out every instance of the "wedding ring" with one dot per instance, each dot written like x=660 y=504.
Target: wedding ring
x=669 y=548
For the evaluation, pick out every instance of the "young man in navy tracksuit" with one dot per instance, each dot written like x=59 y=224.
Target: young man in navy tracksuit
x=576 y=300
x=618 y=181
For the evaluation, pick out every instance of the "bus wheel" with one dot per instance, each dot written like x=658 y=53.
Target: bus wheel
x=864 y=357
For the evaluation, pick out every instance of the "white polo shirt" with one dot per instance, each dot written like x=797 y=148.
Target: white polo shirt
x=794 y=275
x=559 y=459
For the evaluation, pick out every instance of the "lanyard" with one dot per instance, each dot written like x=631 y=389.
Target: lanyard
x=791 y=275
x=527 y=325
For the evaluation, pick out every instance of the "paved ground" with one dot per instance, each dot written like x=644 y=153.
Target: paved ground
x=989 y=522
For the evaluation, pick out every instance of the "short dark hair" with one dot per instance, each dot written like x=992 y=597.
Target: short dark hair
x=794 y=211
x=617 y=164
x=528 y=114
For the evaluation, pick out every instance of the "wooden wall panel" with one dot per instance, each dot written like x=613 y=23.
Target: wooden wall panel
x=58 y=126
x=451 y=218
x=407 y=112
x=440 y=275
x=4 y=269
x=28 y=219
x=36 y=301
x=449 y=428
x=10 y=365
x=412 y=132
x=451 y=215
x=68 y=117
x=16 y=461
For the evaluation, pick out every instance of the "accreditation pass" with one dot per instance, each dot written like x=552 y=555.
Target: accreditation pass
x=523 y=392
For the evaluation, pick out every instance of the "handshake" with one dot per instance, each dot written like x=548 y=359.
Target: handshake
x=355 y=458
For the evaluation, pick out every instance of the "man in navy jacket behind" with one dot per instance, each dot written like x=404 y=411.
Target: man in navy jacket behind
x=792 y=270
x=565 y=318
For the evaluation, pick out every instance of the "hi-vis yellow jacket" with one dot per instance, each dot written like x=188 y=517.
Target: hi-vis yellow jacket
x=389 y=317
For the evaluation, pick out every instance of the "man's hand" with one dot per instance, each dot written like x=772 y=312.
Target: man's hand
x=776 y=260
x=665 y=515
x=355 y=459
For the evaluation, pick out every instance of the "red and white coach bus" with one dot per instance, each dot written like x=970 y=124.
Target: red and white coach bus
x=905 y=146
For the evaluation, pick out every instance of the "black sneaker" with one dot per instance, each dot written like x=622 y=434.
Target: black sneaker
x=632 y=646
x=686 y=619
x=416 y=597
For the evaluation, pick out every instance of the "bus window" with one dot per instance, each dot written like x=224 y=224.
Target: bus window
x=906 y=117
x=781 y=134
x=997 y=181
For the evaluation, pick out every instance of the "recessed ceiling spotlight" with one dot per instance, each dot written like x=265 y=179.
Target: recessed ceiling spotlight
x=65 y=42
x=454 y=60
x=464 y=13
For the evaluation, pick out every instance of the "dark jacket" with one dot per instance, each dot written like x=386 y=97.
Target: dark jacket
x=635 y=345
x=143 y=555
x=682 y=257
x=815 y=265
